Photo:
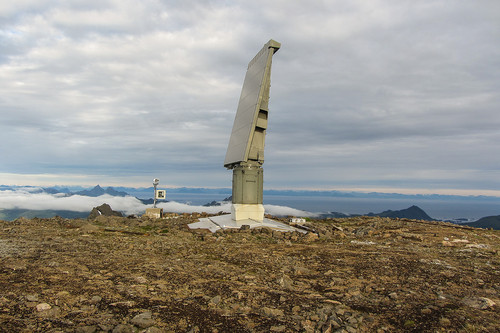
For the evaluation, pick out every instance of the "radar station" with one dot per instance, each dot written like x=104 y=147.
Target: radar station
x=245 y=152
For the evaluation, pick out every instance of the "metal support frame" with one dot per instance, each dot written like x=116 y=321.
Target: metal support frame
x=156 y=181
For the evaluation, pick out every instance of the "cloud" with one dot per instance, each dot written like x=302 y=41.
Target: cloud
x=29 y=198
x=287 y=211
x=276 y=210
x=24 y=199
x=362 y=93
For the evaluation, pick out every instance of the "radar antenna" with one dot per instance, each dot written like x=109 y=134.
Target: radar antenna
x=245 y=152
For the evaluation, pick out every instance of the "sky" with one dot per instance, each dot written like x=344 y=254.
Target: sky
x=399 y=96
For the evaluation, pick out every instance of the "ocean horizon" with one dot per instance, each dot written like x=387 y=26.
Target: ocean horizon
x=440 y=209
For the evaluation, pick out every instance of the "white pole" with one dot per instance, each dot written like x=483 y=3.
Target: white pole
x=156 y=181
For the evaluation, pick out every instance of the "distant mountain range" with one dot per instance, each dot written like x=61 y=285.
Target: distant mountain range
x=147 y=191
x=98 y=191
x=94 y=192
x=413 y=213
x=416 y=213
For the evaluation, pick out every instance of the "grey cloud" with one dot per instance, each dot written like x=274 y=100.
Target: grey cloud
x=362 y=93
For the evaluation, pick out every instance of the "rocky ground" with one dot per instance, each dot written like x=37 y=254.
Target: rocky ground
x=364 y=274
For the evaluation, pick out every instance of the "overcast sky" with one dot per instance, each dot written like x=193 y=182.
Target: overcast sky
x=399 y=96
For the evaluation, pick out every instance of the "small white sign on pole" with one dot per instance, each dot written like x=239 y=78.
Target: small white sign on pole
x=161 y=194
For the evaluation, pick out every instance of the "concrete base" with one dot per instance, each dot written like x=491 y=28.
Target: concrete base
x=215 y=223
x=155 y=213
x=247 y=212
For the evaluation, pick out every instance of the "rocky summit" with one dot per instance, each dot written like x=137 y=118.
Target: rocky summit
x=360 y=274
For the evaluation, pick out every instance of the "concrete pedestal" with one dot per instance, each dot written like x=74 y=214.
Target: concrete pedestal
x=247 y=211
x=155 y=213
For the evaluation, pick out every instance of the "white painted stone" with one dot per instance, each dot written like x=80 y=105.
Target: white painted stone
x=298 y=220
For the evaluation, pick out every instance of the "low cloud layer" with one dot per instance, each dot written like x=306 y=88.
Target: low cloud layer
x=26 y=199
x=275 y=210
x=44 y=201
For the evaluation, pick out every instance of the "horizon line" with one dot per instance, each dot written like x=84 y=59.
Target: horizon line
x=382 y=190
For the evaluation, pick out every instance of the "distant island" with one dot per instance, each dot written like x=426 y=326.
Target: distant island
x=413 y=212
x=492 y=222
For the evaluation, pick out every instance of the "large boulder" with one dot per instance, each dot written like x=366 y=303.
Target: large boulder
x=103 y=209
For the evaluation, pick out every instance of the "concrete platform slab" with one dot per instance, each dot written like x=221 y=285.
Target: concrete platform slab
x=204 y=224
x=215 y=223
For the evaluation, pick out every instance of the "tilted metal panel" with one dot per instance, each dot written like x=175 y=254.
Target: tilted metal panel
x=254 y=89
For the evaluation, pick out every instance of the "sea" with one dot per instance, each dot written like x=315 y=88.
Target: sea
x=440 y=209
